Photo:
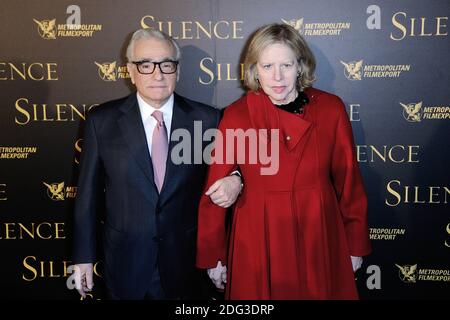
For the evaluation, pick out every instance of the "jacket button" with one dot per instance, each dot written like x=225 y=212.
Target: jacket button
x=157 y=239
x=288 y=138
x=158 y=210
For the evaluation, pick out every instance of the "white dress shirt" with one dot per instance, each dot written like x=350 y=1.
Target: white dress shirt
x=149 y=122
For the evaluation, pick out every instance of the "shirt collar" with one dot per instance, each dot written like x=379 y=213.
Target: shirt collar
x=147 y=110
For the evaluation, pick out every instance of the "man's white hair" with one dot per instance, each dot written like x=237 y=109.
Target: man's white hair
x=148 y=34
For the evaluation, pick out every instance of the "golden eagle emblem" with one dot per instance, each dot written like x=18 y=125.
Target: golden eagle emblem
x=296 y=23
x=55 y=191
x=353 y=69
x=411 y=111
x=407 y=273
x=46 y=28
x=107 y=71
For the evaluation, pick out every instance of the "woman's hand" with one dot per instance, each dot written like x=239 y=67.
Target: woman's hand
x=225 y=191
x=218 y=275
x=356 y=262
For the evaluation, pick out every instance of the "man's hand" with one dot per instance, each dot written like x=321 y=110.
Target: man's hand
x=225 y=191
x=356 y=262
x=218 y=275
x=84 y=278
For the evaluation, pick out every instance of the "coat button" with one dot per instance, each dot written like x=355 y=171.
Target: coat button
x=288 y=138
x=158 y=210
x=157 y=239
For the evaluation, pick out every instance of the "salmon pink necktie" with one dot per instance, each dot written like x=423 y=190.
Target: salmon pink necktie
x=160 y=149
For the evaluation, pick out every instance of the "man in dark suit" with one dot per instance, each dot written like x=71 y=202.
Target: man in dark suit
x=150 y=227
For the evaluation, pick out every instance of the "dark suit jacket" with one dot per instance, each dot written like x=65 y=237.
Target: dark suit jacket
x=140 y=225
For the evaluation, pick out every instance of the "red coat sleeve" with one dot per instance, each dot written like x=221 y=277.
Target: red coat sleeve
x=212 y=233
x=349 y=187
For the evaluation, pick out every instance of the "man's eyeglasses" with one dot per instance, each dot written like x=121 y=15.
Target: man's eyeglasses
x=148 y=67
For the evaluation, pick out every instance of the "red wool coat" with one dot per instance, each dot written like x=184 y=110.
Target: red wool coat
x=292 y=233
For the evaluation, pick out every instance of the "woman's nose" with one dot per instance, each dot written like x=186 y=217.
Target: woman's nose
x=278 y=74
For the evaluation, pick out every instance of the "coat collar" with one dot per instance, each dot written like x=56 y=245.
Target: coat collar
x=264 y=115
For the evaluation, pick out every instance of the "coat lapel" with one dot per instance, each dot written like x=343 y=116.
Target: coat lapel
x=130 y=124
x=264 y=115
x=292 y=129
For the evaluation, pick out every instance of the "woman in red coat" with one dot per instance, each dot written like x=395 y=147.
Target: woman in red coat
x=299 y=232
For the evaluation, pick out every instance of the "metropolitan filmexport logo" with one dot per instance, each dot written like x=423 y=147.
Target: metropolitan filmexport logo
x=416 y=112
x=48 y=29
x=357 y=70
x=386 y=233
x=317 y=28
x=17 y=152
x=57 y=191
x=110 y=71
x=412 y=274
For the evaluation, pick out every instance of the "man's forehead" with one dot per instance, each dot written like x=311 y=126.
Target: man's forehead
x=154 y=48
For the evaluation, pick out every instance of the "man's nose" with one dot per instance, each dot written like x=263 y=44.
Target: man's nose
x=157 y=74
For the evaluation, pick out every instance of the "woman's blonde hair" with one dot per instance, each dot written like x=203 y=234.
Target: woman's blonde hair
x=285 y=34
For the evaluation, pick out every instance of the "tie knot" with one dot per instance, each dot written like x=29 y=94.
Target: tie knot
x=158 y=115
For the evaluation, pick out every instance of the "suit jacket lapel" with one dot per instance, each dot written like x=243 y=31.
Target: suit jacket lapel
x=181 y=119
x=130 y=124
